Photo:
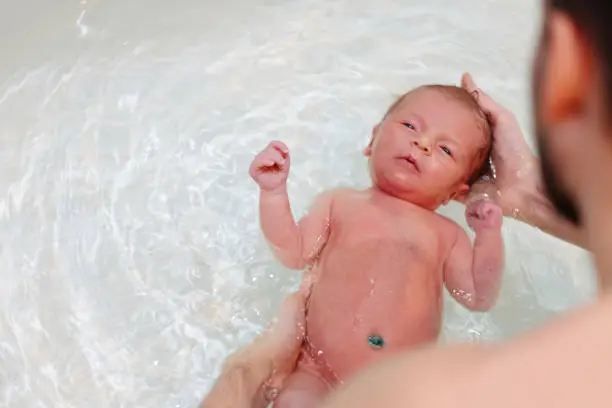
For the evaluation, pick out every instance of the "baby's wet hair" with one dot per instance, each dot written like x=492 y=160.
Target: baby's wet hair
x=482 y=165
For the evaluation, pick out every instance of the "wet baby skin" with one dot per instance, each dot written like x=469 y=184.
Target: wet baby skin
x=377 y=260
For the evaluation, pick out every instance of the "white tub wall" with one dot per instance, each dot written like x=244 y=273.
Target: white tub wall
x=130 y=257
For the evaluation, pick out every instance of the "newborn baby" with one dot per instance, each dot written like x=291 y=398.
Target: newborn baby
x=378 y=258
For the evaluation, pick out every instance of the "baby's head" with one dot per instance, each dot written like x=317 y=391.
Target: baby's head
x=431 y=146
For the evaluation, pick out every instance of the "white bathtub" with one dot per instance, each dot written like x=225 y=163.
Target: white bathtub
x=130 y=257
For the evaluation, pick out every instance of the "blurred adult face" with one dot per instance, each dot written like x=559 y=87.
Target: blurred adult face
x=555 y=188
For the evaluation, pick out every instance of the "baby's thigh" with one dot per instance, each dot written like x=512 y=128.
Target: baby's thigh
x=305 y=389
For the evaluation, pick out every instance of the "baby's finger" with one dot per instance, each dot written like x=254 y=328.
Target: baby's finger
x=274 y=157
x=278 y=157
x=490 y=209
x=280 y=147
x=264 y=159
x=266 y=162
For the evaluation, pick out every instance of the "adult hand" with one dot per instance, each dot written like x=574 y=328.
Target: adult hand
x=517 y=175
x=253 y=376
x=517 y=186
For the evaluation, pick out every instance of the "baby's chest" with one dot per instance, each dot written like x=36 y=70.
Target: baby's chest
x=387 y=238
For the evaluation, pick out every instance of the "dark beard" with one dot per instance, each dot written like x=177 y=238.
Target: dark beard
x=554 y=189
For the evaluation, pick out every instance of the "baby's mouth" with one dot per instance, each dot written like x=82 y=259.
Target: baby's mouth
x=411 y=160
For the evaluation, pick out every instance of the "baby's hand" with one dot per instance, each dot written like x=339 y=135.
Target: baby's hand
x=270 y=168
x=483 y=214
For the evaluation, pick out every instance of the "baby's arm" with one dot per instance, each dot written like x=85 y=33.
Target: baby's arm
x=294 y=245
x=473 y=274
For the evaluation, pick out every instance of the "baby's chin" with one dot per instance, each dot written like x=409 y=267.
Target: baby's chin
x=409 y=189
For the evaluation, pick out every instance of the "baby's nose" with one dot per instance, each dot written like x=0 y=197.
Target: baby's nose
x=424 y=145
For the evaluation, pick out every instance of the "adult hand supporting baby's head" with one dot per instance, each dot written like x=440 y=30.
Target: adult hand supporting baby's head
x=516 y=167
x=252 y=376
x=517 y=187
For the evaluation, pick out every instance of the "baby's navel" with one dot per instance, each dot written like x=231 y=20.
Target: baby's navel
x=375 y=341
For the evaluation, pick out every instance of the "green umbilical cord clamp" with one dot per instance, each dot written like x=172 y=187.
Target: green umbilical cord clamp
x=376 y=341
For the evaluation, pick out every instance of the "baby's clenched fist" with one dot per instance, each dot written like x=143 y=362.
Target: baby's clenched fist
x=483 y=214
x=270 y=168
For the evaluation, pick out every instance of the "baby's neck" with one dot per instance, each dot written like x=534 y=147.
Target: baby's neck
x=392 y=198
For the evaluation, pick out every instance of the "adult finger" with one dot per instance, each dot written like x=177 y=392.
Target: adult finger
x=280 y=341
x=484 y=100
x=291 y=317
x=284 y=342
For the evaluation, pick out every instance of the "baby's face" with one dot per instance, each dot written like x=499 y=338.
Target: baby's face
x=425 y=149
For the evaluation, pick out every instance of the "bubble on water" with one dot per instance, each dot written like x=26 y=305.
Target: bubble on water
x=474 y=334
x=320 y=353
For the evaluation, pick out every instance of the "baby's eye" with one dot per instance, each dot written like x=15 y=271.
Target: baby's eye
x=409 y=126
x=446 y=150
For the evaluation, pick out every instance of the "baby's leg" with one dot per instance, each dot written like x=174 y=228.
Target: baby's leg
x=305 y=389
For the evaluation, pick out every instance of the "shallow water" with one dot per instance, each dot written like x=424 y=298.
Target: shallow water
x=130 y=257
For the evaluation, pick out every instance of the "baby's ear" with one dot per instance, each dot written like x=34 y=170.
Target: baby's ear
x=459 y=195
x=375 y=130
x=368 y=150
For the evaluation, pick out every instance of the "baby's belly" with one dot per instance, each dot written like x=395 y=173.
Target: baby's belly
x=359 y=313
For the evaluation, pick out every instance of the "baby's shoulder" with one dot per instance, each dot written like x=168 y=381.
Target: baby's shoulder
x=448 y=228
x=338 y=194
